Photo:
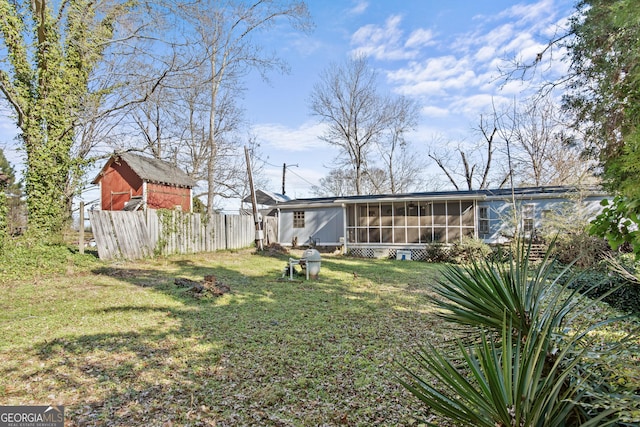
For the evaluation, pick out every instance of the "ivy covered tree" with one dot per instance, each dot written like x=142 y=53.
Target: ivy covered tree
x=51 y=50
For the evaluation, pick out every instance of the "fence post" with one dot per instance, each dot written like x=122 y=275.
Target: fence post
x=81 y=226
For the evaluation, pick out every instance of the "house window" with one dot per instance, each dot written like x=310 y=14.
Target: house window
x=528 y=218
x=298 y=219
x=483 y=220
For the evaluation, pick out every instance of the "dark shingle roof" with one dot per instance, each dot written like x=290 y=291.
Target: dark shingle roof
x=522 y=192
x=152 y=170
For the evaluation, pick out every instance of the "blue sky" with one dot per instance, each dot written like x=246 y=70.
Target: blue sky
x=443 y=54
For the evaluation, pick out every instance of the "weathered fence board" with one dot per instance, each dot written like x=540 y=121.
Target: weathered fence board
x=135 y=235
x=101 y=226
x=270 y=230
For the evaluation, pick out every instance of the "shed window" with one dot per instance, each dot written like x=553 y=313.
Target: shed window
x=298 y=219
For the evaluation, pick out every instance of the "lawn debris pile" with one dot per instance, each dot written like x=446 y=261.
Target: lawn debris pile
x=210 y=286
x=275 y=249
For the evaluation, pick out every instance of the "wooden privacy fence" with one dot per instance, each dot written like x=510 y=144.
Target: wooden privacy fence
x=135 y=235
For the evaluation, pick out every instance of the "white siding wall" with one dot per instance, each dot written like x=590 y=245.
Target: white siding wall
x=322 y=226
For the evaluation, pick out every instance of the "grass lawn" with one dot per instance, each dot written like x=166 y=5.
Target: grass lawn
x=119 y=344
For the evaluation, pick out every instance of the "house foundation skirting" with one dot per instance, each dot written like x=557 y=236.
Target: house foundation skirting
x=417 y=254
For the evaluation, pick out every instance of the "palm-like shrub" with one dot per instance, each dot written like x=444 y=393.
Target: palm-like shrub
x=528 y=367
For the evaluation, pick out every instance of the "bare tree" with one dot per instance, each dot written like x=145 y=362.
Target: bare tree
x=150 y=118
x=224 y=46
x=544 y=149
x=341 y=182
x=357 y=117
x=470 y=164
x=408 y=171
x=402 y=168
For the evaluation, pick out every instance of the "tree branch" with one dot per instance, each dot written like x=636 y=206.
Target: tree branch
x=9 y=93
x=444 y=169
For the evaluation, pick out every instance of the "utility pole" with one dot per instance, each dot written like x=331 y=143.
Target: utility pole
x=254 y=202
x=284 y=171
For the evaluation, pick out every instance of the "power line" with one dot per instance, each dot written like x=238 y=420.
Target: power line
x=265 y=162
x=308 y=182
x=278 y=166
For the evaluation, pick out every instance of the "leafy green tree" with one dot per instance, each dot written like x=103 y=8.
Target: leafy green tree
x=52 y=49
x=605 y=87
x=604 y=94
x=619 y=223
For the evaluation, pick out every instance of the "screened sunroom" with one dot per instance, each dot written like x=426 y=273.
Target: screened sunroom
x=410 y=222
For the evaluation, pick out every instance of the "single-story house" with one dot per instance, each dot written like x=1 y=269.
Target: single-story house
x=130 y=181
x=380 y=225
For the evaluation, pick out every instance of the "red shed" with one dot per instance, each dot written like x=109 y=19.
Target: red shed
x=130 y=181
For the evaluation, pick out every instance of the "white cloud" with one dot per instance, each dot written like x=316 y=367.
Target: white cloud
x=280 y=137
x=383 y=43
x=472 y=106
x=420 y=38
x=386 y=42
x=439 y=68
x=485 y=53
x=306 y=46
x=435 y=76
x=433 y=111
x=554 y=29
x=518 y=32
x=514 y=88
x=360 y=7
x=496 y=37
x=532 y=13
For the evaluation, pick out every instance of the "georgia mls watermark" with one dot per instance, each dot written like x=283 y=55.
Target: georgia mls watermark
x=31 y=416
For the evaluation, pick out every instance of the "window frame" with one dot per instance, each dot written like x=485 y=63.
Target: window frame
x=528 y=218
x=484 y=226
x=298 y=219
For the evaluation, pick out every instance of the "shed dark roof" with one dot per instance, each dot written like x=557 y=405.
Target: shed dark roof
x=151 y=170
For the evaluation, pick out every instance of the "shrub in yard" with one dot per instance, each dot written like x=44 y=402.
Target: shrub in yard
x=570 y=229
x=580 y=248
x=25 y=258
x=437 y=252
x=463 y=252
x=533 y=364
x=615 y=290
x=469 y=250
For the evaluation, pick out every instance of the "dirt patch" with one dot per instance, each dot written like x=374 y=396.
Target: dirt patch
x=210 y=286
